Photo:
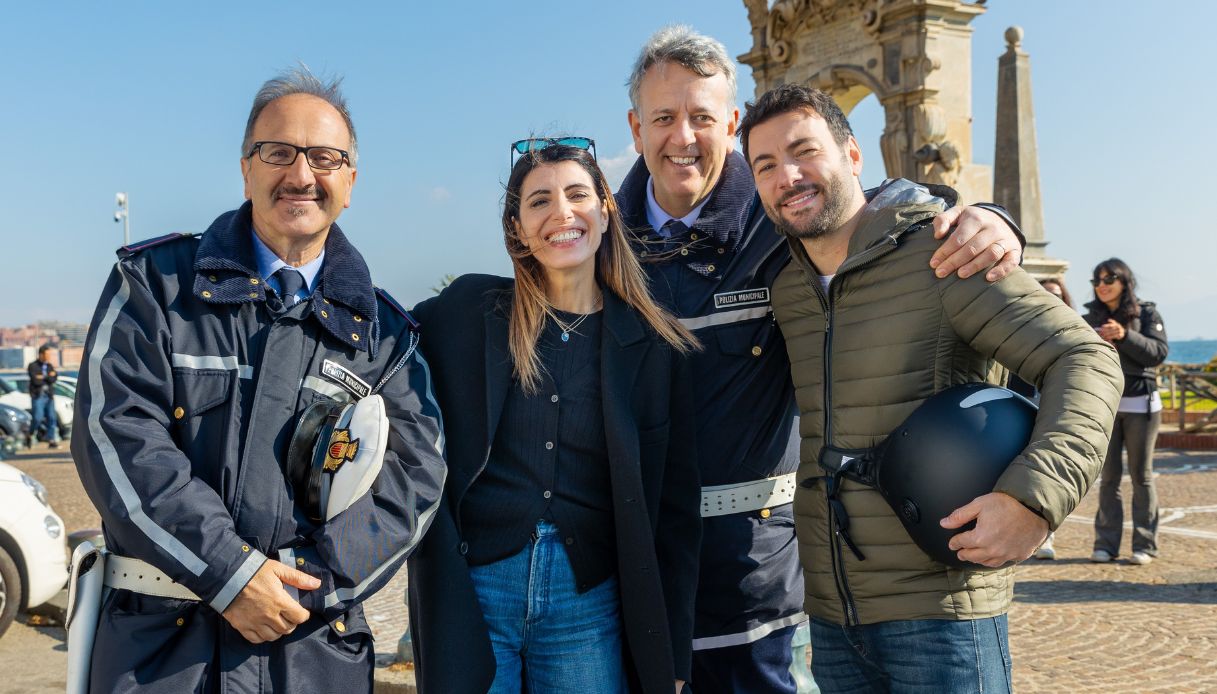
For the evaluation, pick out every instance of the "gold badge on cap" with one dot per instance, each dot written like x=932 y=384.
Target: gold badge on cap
x=341 y=449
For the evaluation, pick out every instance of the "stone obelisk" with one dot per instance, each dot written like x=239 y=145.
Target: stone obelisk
x=1016 y=175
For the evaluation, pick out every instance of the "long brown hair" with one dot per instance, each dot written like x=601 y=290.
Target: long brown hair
x=617 y=269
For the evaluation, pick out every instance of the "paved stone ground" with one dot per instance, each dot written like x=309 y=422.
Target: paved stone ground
x=1082 y=627
x=1075 y=626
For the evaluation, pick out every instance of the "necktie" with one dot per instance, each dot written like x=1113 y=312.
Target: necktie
x=674 y=229
x=290 y=284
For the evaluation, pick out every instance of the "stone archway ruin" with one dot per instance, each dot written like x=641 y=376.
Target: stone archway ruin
x=913 y=55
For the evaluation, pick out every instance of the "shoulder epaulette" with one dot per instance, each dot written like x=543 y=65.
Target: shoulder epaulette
x=414 y=324
x=134 y=248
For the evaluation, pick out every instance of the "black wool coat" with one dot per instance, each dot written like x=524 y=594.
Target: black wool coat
x=648 y=423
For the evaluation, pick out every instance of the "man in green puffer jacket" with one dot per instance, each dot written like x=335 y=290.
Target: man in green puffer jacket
x=871 y=333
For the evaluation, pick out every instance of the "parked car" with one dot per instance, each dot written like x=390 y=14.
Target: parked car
x=33 y=545
x=14 y=428
x=15 y=391
x=65 y=386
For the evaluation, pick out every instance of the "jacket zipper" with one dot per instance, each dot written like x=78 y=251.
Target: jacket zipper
x=834 y=534
x=836 y=554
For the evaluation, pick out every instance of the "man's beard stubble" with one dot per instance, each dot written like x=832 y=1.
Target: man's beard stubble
x=835 y=202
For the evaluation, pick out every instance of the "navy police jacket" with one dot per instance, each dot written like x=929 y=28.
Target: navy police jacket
x=716 y=280
x=188 y=396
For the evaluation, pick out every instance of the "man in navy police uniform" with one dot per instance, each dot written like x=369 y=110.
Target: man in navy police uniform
x=711 y=254
x=202 y=355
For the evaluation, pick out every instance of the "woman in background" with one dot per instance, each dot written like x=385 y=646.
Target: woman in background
x=1056 y=287
x=1138 y=334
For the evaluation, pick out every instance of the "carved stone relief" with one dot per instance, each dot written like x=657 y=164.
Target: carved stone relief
x=913 y=55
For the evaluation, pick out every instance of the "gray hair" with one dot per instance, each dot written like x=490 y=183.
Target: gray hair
x=299 y=80
x=682 y=45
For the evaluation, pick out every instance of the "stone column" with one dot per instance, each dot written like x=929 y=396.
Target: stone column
x=1016 y=176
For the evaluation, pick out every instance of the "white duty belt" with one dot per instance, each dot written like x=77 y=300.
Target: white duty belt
x=741 y=497
x=139 y=576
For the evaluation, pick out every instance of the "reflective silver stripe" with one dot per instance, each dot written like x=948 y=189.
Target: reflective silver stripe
x=190 y=361
x=424 y=519
x=237 y=581
x=725 y=317
x=754 y=634
x=439 y=440
x=168 y=544
x=325 y=388
x=287 y=555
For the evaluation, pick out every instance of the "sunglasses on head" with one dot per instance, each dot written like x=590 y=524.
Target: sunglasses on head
x=1105 y=279
x=533 y=144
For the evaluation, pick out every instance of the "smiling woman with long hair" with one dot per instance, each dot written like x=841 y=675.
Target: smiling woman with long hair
x=1136 y=330
x=564 y=557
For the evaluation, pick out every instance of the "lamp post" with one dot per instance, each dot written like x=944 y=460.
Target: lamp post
x=123 y=214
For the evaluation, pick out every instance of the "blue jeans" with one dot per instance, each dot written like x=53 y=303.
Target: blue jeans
x=44 y=406
x=547 y=637
x=930 y=656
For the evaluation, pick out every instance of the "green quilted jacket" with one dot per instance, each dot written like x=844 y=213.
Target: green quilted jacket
x=889 y=334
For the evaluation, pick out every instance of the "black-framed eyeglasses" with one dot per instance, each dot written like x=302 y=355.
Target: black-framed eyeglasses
x=1105 y=279
x=533 y=144
x=284 y=154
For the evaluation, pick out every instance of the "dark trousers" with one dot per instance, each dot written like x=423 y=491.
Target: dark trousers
x=760 y=667
x=1137 y=432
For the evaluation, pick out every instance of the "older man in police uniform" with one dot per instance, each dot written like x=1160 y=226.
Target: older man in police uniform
x=691 y=201
x=202 y=356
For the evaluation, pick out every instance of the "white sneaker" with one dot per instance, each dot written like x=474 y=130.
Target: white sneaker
x=1100 y=556
x=1140 y=558
x=1046 y=551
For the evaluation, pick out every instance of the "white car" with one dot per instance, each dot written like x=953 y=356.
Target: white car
x=33 y=545
x=15 y=391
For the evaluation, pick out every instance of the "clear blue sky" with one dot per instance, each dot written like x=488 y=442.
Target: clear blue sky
x=151 y=99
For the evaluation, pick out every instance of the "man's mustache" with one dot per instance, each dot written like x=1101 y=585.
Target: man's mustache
x=313 y=191
x=799 y=192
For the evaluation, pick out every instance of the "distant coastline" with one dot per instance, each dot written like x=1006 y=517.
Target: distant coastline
x=1192 y=351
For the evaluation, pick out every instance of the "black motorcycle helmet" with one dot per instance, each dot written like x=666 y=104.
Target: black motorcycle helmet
x=950 y=450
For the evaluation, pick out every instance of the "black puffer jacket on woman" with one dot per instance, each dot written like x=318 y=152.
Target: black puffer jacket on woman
x=1143 y=348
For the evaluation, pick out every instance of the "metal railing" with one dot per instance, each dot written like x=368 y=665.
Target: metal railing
x=1191 y=379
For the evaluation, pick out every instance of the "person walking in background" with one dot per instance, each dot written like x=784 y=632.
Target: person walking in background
x=1056 y=287
x=1136 y=330
x=42 y=396
x=564 y=557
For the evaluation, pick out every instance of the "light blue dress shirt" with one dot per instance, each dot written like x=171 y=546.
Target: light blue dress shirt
x=657 y=217
x=269 y=264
